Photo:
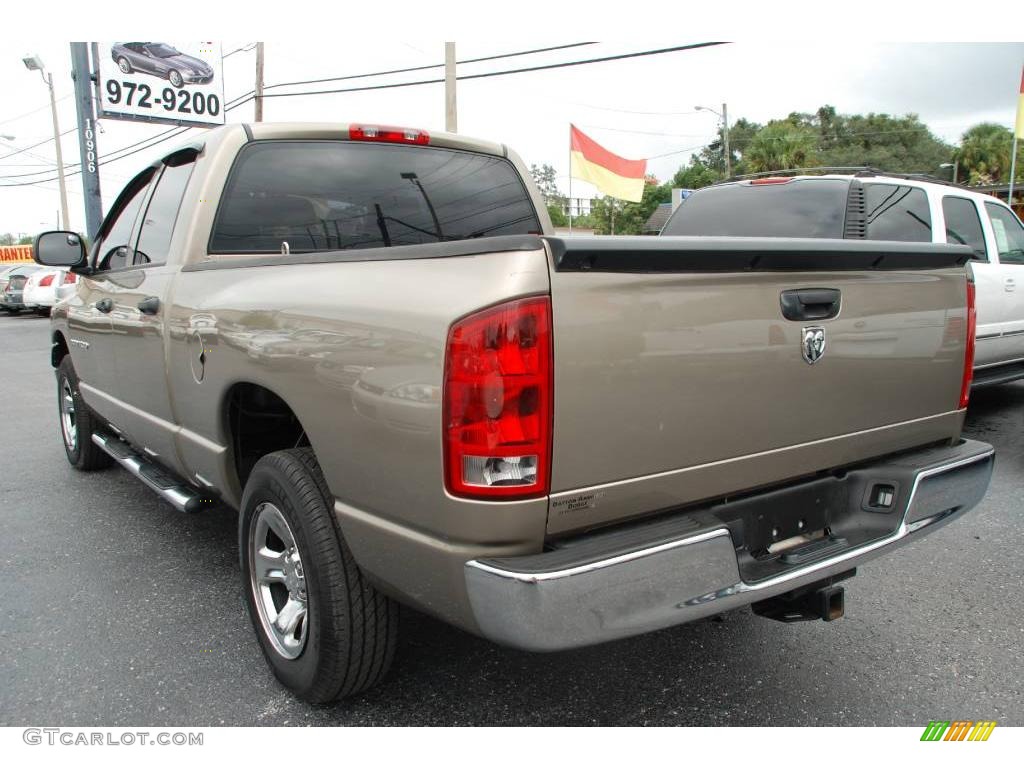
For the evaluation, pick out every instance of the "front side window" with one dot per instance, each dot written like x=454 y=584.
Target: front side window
x=161 y=213
x=332 y=195
x=115 y=251
x=963 y=226
x=1009 y=234
x=897 y=212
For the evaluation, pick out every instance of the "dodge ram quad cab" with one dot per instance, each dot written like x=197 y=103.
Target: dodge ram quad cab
x=367 y=341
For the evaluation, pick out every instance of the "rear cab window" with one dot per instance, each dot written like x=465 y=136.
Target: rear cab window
x=335 y=195
x=794 y=208
x=897 y=212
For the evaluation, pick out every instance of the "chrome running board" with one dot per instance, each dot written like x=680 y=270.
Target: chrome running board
x=174 y=491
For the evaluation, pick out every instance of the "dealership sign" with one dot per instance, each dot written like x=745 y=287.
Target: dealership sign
x=176 y=83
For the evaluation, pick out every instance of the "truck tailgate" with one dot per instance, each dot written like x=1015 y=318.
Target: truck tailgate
x=678 y=379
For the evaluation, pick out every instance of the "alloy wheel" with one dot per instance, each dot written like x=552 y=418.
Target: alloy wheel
x=278 y=581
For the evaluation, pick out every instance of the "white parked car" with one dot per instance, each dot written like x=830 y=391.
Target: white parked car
x=46 y=287
x=874 y=206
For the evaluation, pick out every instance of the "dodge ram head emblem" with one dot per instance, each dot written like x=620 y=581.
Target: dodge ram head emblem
x=813 y=345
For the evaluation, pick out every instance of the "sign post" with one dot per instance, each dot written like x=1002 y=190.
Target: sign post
x=82 y=74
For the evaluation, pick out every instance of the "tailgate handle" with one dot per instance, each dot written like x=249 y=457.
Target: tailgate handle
x=810 y=303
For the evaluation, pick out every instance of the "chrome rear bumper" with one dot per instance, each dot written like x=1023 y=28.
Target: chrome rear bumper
x=578 y=596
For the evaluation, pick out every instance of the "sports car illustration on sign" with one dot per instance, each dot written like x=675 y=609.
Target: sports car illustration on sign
x=161 y=60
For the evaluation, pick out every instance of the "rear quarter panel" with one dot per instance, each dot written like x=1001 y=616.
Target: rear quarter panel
x=337 y=341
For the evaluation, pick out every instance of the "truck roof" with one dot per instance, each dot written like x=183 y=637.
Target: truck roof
x=322 y=131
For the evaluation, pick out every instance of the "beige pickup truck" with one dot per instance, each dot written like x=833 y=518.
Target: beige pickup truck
x=368 y=342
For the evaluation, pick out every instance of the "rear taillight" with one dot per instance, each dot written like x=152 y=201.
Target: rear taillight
x=70 y=278
x=46 y=281
x=972 y=325
x=771 y=180
x=498 y=400
x=387 y=133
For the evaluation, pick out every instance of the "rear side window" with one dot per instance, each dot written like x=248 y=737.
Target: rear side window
x=897 y=212
x=161 y=213
x=328 y=195
x=963 y=227
x=798 y=208
x=1009 y=234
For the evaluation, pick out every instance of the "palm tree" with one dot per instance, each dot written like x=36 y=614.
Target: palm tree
x=984 y=153
x=782 y=144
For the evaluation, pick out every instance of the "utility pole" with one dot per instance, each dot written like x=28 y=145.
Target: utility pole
x=724 y=114
x=451 y=123
x=725 y=141
x=35 y=63
x=88 y=152
x=259 y=83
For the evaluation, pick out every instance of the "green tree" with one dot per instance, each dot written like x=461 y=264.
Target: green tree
x=557 y=214
x=557 y=204
x=897 y=144
x=695 y=175
x=984 y=153
x=783 y=144
x=546 y=180
x=6 y=238
x=612 y=216
x=740 y=135
x=26 y=240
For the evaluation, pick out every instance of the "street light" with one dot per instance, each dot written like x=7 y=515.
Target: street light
x=34 y=63
x=724 y=114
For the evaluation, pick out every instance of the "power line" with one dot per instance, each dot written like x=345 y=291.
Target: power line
x=33 y=111
x=521 y=70
x=243 y=49
x=643 y=133
x=39 y=144
x=175 y=132
x=633 y=111
x=427 y=66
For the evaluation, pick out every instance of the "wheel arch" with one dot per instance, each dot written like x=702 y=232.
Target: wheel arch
x=58 y=348
x=257 y=420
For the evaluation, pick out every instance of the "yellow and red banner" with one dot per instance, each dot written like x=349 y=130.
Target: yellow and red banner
x=1020 y=108
x=613 y=175
x=13 y=254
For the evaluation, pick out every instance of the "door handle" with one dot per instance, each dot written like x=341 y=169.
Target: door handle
x=1011 y=285
x=105 y=305
x=149 y=305
x=810 y=303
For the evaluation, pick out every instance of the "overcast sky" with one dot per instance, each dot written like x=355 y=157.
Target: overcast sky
x=637 y=108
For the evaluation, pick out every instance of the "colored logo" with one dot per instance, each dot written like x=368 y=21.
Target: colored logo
x=958 y=730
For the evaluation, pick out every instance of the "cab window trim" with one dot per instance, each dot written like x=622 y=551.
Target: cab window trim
x=126 y=196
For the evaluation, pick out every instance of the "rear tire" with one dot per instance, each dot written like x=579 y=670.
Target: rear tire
x=77 y=422
x=295 y=563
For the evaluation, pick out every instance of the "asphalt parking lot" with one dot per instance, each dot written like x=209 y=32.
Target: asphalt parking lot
x=117 y=610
